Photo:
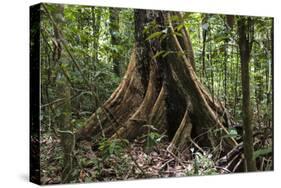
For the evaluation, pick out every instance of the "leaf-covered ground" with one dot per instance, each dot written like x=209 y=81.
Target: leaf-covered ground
x=110 y=161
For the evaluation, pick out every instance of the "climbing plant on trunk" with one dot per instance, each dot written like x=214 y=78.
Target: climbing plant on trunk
x=63 y=87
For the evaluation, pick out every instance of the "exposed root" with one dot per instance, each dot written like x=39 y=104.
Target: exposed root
x=183 y=135
x=121 y=104
x=131 y=127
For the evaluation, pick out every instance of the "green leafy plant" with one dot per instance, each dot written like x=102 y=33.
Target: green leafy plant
x=110 y=147
x=152 y=138
x=263 y=152
x=203 y=164
x=232 y=133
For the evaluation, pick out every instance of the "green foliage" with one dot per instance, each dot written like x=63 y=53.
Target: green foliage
x=110 y=147
x=233 y=133
x=86 y=34
x=263 y=152
x=221 y=74
x=154 y=35
x=203 y=165
x=152 y=138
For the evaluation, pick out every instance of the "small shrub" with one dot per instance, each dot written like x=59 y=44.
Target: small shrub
x=110 y=147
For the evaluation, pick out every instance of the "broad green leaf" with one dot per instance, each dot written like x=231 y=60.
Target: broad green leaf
x=154 y=35
x=262 y=152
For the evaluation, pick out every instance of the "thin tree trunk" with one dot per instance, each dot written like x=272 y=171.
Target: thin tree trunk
x=270 y=65
x=114 y=32
x=258 y=88
x=212 y=70
x=204 y=35
x=225 y=70
x=63 y=89
x=236 y=83
x=245 y=44
x=96 y=19
x=96 y=22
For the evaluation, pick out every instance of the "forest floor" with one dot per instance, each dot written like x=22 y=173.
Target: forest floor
x=135 y=161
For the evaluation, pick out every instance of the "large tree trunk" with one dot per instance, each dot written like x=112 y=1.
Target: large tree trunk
x=161 y=90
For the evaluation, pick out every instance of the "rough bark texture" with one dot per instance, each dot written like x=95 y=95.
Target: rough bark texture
x=162 y=91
